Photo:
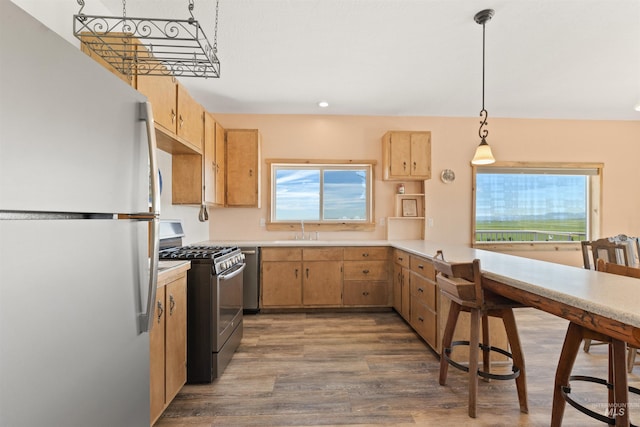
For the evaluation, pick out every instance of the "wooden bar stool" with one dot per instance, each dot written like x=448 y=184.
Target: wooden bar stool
x=462 y=284
x=618 y=389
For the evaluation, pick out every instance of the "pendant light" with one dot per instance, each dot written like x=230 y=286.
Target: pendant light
x=483 y=155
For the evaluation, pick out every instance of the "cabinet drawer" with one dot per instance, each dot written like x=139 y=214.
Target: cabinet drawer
x=281 y=254
x=366 y=293
x=423 y=291
x=401 y=257
x=366 y=270
x=366 y=253
x=424 y=322
x=322 y=254
x=423 y=267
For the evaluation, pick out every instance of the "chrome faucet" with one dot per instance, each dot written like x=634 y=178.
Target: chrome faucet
x=302 y=227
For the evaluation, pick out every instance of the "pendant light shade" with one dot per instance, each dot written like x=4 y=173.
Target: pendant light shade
x=483 y=155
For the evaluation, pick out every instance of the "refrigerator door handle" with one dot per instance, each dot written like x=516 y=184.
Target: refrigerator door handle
x=145 y=319
x=146 y=114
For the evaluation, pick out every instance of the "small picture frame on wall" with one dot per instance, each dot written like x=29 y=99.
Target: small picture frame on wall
x=409 y=207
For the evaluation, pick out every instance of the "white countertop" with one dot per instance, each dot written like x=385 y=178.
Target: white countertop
x=612 y=296
x=609 y=295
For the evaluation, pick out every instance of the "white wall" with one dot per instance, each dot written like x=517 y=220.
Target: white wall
x=194 y=230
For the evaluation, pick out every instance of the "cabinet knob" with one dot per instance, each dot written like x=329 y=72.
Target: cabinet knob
x=420 y=318
x=414 y=166
x=404 y=165
x=181 y=121
x=421 y=267
x=365 y=271
x=365 y=293
x=250 y=172
x=173 y=116
x=365 y=254
x=420 y=290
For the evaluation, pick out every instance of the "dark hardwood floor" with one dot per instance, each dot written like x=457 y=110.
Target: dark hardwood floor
x=359 y=369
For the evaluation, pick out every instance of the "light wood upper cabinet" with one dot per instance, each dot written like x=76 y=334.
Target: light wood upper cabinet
x=221 y=166
x=162 y=92
x=406 y=155
x=189 y=125
x=213 y=162
x=243 y=168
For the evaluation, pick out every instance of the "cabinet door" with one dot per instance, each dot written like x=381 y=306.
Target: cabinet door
x=220 y=164
x=365 y=293
x=281 y=284
x=421 y=155
x=243 y=173
x=176 y=337
x=400 y=154
x=157 y=357
x=209 y=159
x=162 y=93
x=190 y=118
x=322 y=283
x=406 y=295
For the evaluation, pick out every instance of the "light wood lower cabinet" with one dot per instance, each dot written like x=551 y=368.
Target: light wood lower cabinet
x=168 y=345
x=366 y=277
x=325 y=277
x=423 y=295
x=401 y=295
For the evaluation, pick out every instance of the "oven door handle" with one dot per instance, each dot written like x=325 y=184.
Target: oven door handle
x=233 y=274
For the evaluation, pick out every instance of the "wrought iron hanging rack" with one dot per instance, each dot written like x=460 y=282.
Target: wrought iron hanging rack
x=171 y=46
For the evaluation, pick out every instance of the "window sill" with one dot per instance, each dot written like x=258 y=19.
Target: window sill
x=528 y=246
x=310 y=226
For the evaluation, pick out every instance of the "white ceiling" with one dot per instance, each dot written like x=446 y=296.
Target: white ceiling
x=569 y=59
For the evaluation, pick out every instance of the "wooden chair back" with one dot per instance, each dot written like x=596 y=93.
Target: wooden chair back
x=622 y=270
x=607 y=249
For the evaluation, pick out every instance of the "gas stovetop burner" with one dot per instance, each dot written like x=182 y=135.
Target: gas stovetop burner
x=222 y=258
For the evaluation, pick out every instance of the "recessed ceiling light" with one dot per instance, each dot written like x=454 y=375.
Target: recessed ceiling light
x=323 y=104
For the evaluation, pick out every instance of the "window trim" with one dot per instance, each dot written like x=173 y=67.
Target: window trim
x=333 y=225
x=594 y=208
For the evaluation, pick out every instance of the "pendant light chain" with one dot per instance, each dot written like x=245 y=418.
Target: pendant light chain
x=124 y=9
x=215 y=30
x=482 y=131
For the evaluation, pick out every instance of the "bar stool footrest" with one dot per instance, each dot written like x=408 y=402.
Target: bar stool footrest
x=566 y=390
x=483 y=374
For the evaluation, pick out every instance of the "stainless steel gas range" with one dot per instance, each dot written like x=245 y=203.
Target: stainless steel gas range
x=214 y=301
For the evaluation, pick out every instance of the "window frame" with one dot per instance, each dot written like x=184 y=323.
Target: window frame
x=328 y=225
x=594 y=204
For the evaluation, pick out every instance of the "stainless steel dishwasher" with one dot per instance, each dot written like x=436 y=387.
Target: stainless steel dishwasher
x=251 y=292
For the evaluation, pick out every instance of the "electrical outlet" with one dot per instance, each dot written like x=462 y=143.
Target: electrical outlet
x=381 y=222
x=430 y=222
x=263 y=222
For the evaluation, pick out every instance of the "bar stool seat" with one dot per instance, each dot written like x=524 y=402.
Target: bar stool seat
x=461 y=283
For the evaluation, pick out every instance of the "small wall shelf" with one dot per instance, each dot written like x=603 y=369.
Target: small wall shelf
x=408 y=220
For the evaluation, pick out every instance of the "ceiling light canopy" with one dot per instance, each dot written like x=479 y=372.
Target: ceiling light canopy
x=172 y=46
x=483 y=155
x=323 y=104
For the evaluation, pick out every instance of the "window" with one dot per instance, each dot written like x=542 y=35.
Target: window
x=531 y=202
x=321 y=193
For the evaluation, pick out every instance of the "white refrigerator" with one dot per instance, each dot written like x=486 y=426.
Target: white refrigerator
x=78 y=235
